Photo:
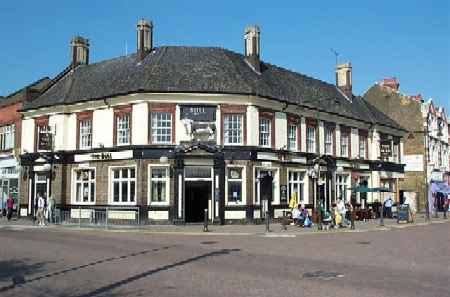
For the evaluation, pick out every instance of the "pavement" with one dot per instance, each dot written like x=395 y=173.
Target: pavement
x=80 y=262
x=275 y=229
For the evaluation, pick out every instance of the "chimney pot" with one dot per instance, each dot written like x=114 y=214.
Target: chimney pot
x=144 y=37
x=344 y=77
x=252 y=46
x=79 y=50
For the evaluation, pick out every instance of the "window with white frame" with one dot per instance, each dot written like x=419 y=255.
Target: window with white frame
x=84 y=183
x=123 y=129
x=123 y=185
x=292 y=137
x=7 y=137
x=264 y=132
x=159 y=184
x=235 y=184
x=296 y=187
x=85 y=134
x=362 y=146
x=311 y=139
x=161 y=127
x=345 y=136
x=232 y=129
x=329 y=133
x=341 y=186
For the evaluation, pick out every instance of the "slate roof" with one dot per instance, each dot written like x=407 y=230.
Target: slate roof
x=20 y=95
x=199 y=70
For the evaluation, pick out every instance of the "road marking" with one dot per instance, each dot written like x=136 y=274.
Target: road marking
x=277 y=235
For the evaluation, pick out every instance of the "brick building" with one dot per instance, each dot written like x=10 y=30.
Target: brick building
x=174 y=130
x=426 y=149
x=10 y=138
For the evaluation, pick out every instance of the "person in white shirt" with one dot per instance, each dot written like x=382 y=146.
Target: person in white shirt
x=340 y=207
x=388 y=207
x=40 y=210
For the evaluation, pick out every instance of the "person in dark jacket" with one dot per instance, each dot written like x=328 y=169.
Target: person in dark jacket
x=9 y=207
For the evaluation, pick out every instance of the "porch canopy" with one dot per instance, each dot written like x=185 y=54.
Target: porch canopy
x=363 y=189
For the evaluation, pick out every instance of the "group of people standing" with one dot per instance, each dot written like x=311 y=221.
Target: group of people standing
x=8 y=208
x=45 y=210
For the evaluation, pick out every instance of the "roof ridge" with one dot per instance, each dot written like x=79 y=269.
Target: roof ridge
x=27 y=86
x=227 y=53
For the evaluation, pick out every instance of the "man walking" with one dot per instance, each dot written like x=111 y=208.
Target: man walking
x=9 y=207
x=40 y=210
x=51 y=209
x=388 y=207
x=342 y=211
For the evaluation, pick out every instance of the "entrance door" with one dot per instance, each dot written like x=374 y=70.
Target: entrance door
x=197 y=195
x=41 y=187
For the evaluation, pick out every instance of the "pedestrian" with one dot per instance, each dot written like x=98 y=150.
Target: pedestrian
x=51 y=209
x=388 y=207
x=40 y=210
x=9 y=207
x=342 y=212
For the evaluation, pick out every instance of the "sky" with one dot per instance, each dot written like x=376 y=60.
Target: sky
x=408 y=39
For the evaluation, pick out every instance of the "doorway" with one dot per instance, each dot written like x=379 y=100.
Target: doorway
x=197 y=195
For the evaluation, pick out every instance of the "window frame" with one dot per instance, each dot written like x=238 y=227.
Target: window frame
x=163 y=108
x=121 y=111
x=154 y=129
x=267 y=134
x=243 y=181
x=4 y=135
x=340 y=184
x=312 y=145
x=111 y=186
x=149 y=183
x=304 y=182
x=329 y=128
x=225 y=137
x=90 y=181
x=226 y=109
x=365 y=144
x=345 y=131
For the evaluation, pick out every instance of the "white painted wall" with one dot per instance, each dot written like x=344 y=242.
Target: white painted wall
x=303 y=134
x=253 y=126
x=103 y=127
x=280 y=130
x=57 y=123
x=321 y=138
x=355 y=143
x=71 y=143
x=374 y=149
x=139 y=124
x=218 y=126
x=27 y=142
x=338 y=140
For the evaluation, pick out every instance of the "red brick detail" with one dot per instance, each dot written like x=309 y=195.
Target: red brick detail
x=161 y=107
x=233 y=109
x=9 y=115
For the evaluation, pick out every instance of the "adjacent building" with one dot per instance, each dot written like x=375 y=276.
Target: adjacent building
x=426 y=145
x=169 y=131
x=10 y=140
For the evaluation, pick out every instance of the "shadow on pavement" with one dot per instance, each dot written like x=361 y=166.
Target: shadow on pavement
x=15 y=270
x=139 y=276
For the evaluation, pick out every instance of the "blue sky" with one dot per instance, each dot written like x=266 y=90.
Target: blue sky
x=406 y=39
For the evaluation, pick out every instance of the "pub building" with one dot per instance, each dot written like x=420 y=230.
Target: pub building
x=174 y=130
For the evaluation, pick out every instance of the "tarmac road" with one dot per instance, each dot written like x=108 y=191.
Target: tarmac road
x=69 y=262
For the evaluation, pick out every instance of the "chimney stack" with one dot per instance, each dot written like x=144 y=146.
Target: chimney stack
x=144 y=37
x=79 y=47
x=344 y=78
x=391 y=82
x=251 y=46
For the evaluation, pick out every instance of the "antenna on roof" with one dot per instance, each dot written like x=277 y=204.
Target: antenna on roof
x=336 y=54
x=126 y=48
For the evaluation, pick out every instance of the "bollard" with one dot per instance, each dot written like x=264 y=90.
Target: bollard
x=352 y=226
x=106 y=219
x=205 y=221
x=382 y=214
x=267 y=221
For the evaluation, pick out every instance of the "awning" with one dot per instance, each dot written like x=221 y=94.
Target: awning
x=8 y=162
x=439 y=187
x=362 y=189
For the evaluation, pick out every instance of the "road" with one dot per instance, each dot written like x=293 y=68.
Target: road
x=69 y=262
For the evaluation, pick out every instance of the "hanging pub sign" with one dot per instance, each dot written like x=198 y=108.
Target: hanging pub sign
x=283 y=194
x=198 y=113
x=385 y=148
x=45 y=139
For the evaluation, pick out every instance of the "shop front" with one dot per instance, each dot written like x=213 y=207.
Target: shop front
x=9 y=181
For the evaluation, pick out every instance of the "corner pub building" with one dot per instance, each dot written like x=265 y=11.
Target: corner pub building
x=173 y=130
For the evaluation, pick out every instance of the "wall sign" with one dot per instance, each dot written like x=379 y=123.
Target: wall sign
x=104 y=156
x=198 y=113
x=283 y=193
